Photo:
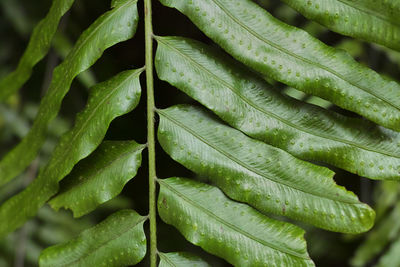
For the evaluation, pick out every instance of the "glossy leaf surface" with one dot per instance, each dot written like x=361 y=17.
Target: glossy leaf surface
x=100 y=177
x=249 y=104
x=119 y=240
x=292 y=56
x=181 y=259
x=370 y=20
x=107 y=100
x=266 y=177
x=38 y=46
x=231 y=230
x=113 y=27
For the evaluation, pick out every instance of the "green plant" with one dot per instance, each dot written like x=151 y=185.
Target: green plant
x=253 y=152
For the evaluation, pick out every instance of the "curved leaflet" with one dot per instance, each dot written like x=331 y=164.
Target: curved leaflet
x=266 y=177
x=107 y=100
x=119 y=240
x=292 y=56
x=230 y=230
x=370 y=20
x=181 y=259
x=249 y=104
x=100 y=177
x=117 y=25
x=38 y=46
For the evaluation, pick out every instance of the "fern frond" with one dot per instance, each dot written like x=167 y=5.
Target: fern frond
x=250 y=104
x=292 y=56
x=119 y=240
x=117 y=25
x=107 y=100
x=369 y=20
x=230 y=230
x=181 y=259
x=266 y=177
x=100 y=177
x=38 y=46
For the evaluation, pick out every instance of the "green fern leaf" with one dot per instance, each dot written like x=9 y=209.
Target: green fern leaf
x=119 y=240
x=250 y=104
x=230 y=230
x=370 y=20
x=100 y=177
x=266 y=177
x=113 y=27
x=38 y=46
x=107 y=101
x=292 y=56
x=181 y=259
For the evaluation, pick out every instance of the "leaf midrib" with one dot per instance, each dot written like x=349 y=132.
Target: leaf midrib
x=285 y=51
x=268 y=113
x=251 y=169
x=171 y=263
x=106 y=242
x=233 y=227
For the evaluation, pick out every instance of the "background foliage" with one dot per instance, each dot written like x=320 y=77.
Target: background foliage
x=17 y=18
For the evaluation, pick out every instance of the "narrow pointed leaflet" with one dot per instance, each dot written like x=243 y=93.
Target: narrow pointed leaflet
x=107 y=100
x=39 y=45
x=292 y=56
x=116 y=25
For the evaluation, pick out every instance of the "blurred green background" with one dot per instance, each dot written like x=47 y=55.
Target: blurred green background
x=22 y=248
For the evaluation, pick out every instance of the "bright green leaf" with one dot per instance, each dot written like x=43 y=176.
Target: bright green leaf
x=119 y=240
x=266 y=177
x=100 y=177
x=230 y=230
x=39 y=45
x=250 y=104
x=107 y=100
x=181 y=259
x=292 y=56
x=371 y=20
x=113 y=27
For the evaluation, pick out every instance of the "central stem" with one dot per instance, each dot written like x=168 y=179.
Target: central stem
x=148 y=29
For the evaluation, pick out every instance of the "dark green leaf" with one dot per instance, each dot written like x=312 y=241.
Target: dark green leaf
x=370 y=20
x=117 y=241
x=250 y=104
x=292 y=56
x=107 y=101
x=266 y=177
x=231 y=230
x=100 y=177
x=113 y=27
x=39 y=45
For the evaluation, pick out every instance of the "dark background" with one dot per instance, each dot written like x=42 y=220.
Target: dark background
x=18 y=17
